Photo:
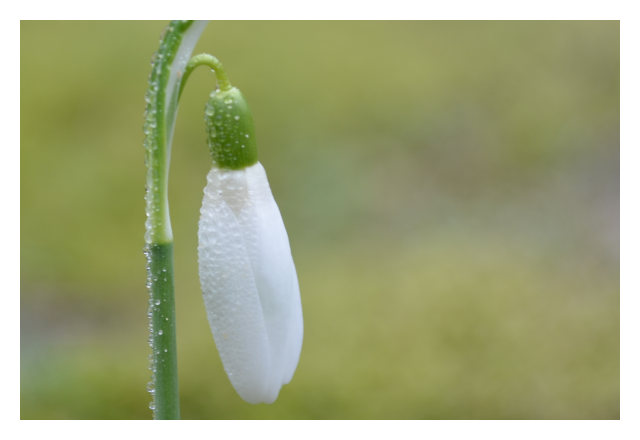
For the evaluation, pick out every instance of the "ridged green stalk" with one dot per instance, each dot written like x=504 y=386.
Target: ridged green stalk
x=168 y=66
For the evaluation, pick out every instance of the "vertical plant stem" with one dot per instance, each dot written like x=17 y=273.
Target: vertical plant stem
x=168 y=65
x=164 y=332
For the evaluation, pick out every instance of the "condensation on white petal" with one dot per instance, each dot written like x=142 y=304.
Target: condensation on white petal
x=249 y=283
x=230 y=295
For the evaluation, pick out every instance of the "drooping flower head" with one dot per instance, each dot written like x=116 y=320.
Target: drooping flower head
x=248 y=278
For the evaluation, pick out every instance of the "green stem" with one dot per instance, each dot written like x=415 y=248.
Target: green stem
x=163 y=332
x=205 y=59
x=165 y=81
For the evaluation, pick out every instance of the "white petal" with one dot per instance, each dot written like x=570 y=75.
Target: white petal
x=249 y=283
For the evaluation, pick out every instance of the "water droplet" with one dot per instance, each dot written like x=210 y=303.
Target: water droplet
x=157 y=302
x=160 y=332
x=228 y=100
x=243 y=146
x=152 y=405
x=209 y=111
x=151 y=387
x=246 y=135
x=166 y=319
x=236 y=117
x=165 y=350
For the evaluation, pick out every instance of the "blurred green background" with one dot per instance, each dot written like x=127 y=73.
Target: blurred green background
x=450 y=189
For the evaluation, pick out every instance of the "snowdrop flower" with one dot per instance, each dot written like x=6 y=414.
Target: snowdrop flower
x=248 y=278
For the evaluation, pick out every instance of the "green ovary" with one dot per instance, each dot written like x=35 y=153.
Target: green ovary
x=230 y=129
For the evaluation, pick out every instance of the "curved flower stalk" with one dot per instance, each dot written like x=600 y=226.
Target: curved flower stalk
x=248 y=278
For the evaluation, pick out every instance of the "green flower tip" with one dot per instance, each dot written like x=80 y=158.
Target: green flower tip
x=230 y=129
x=231 y=134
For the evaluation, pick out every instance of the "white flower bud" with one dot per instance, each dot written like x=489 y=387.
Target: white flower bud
x=249 y=282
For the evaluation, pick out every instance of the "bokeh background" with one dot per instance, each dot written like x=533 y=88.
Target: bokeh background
x=450 y=189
